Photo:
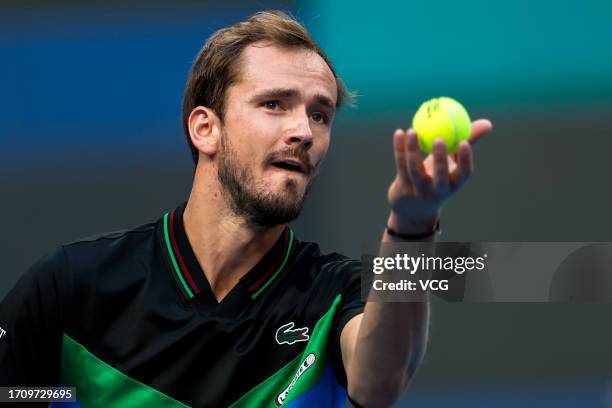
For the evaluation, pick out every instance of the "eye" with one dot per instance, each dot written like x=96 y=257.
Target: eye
x=318 y=117
x=271 y=105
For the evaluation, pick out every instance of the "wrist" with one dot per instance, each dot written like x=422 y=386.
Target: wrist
x=424 y=226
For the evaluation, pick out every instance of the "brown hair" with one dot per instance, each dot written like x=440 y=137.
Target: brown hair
x=217 y=65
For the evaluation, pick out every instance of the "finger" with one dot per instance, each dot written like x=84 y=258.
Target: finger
x=441 y=178
x=416 y=169
x=401 y=155
x=480 y=128
x=465 y=166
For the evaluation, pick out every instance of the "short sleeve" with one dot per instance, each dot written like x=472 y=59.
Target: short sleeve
x=350 y=306
x=31 y=325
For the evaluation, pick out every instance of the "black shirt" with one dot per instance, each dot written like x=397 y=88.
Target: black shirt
x=129 y=319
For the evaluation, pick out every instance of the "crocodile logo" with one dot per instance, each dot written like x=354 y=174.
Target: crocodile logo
x=286 y=334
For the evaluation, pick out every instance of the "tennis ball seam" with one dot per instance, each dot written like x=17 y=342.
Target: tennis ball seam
x=452 y=112
x=452 y=121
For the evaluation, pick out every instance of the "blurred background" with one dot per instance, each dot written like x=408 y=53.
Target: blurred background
x=91 y=141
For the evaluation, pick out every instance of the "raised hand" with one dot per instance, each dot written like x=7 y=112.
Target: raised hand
x=421 y=186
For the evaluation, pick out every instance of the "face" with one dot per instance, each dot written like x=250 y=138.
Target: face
x=275 y=132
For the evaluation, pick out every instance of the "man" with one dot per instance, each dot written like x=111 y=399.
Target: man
x=217 y=303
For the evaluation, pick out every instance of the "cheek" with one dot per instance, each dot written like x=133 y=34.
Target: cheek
x=248 y=139
x=321 y=150
x=257 y=131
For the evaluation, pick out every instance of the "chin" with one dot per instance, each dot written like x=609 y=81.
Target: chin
x=289 y=183
x=289 y=191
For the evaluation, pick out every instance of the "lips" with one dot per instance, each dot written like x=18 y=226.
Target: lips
x=291 y=165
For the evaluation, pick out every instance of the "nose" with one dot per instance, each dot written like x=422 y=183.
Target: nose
x=300 y=131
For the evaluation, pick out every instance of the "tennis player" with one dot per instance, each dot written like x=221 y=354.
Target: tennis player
x=218 y=303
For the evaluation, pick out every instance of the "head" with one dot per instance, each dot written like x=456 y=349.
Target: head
x=257 y=112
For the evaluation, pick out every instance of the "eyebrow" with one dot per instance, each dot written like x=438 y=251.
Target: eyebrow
x=291 y=93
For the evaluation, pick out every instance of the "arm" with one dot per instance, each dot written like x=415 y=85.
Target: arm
x=383 y=346
x=30 y=317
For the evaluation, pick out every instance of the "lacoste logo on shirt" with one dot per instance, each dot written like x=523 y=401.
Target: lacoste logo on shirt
x=2 y=332
x=286 y=334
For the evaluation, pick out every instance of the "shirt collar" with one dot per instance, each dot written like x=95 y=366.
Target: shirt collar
x=189 y=276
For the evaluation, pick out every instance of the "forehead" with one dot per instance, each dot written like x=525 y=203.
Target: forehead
x=264 y=66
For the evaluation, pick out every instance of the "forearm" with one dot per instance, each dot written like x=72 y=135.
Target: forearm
x=390 y=345
x=391 y=339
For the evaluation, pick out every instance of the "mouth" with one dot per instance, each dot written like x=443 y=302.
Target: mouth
x=291 y=165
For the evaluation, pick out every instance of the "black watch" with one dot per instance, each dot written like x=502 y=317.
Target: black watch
x=414 y=237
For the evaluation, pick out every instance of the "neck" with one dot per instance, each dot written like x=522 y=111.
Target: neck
x=225 y=245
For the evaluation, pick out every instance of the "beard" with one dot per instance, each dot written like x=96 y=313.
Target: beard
x=250 y=200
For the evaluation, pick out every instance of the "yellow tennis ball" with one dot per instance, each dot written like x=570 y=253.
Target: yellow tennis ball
x=442 y=117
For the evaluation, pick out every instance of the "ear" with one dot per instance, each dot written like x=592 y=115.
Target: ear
x=205 y=130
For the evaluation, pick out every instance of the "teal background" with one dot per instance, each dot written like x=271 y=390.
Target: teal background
x=521 y=52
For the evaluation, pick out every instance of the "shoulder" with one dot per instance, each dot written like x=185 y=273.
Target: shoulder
x=121 y=256
x=45 y=276
x=110 y=243
x=93 y=253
